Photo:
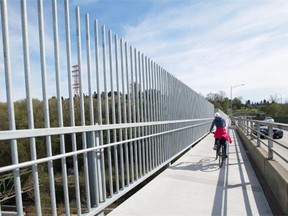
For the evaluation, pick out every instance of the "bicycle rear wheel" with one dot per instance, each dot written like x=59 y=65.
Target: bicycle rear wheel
x=220 y=155
x=217 y=153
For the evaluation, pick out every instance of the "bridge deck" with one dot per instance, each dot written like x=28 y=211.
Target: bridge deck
x=194 y=185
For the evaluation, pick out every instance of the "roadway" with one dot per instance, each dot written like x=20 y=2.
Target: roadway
x=195 y=185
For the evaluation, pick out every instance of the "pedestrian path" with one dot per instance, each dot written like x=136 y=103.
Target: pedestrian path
x=195 y=185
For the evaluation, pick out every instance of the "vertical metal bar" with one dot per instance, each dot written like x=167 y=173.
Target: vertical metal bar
x=71 y=95
x=119 y=115
x=107 y=111
x=155 y=146
x=134 y=95
x=141 y=129
x=169 y=106
x=46 y=105
x=168 y=117
x=100 y=153
x=160 y=81
x=82 y=111
x=177 y=114
x=113 y=114
x=157 y=138
x=164 y=115
x=10 y=105
x=71 y=99
x=88 y=49
x=158 y=112
x=91 y=192
x=130 y=105
x=125 y=112
x=146 y=115
x=30 y=106
x=167 y=111
x=150 y=109
x=138 y=92
x=124 y=116
x=143 y=114
x=59 y=106
x=151 y=77
x=174 y=95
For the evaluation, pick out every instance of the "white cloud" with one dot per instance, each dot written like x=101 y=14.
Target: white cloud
x=211 y=46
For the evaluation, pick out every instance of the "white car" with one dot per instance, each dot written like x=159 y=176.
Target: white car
x=269 y=119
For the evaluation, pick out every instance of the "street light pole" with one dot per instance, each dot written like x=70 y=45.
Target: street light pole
x=231 y=95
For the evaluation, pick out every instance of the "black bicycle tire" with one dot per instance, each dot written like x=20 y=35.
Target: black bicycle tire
x=220 y=153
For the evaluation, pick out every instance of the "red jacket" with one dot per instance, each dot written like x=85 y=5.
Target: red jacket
x=221 y=132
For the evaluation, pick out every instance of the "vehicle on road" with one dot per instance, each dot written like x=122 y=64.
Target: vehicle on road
x=269 y=119
x=277 y=133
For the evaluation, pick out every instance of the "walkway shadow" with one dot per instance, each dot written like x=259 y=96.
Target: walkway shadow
x=208 y=164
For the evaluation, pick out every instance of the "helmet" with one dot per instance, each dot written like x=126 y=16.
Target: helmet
x=217 y=114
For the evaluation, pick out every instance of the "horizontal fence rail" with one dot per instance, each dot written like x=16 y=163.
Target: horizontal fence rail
x=271 y=136
x=97 y=116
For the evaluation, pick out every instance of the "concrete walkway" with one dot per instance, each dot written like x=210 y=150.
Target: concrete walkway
x=194 y=185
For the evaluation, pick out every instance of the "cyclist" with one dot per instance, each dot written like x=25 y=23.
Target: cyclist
x=220 y=133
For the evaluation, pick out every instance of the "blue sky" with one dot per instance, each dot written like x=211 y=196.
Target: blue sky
x=208 y=45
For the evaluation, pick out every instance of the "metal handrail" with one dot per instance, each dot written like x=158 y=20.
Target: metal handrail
x=252 y=129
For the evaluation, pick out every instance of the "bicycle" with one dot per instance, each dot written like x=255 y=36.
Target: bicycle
x=220 y=151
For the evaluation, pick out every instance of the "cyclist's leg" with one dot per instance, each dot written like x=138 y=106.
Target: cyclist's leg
x=216 y=143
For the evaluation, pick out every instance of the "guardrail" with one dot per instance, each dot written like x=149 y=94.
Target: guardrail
x=268 y=136
x=77 y=152
x=110 y=169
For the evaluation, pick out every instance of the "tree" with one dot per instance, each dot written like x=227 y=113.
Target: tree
x=272 y=109
x=248 y=103
x=236 y=103
x=219 y=100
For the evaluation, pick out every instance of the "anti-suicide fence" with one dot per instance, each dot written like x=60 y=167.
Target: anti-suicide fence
x=99 y=128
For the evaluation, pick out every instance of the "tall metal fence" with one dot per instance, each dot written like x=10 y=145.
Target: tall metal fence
x=108 y=117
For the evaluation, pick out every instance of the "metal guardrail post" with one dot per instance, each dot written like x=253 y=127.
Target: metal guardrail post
x=258 y=135
x=95 y=171
x=251 y=130
x=243 y=126
x=92 y=170
x=246 y=127
x=270 y=143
